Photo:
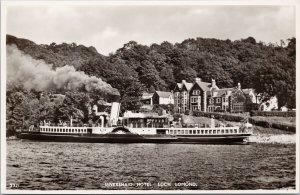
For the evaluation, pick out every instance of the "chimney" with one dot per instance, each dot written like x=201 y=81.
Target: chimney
x=212 y=121
x=198 y=79
x=213 y=83
x=239 y=86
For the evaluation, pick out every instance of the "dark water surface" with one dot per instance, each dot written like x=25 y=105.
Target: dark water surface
x=67 y=166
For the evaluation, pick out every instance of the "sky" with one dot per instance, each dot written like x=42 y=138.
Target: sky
x=108 y=28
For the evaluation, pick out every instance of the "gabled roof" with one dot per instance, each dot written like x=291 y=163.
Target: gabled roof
x=163 y=94
x=146 y=95
x=204 y=85
x=188 y=86
x=220 y=92
x=247 y=91
x=179 y=85
x=185 y=84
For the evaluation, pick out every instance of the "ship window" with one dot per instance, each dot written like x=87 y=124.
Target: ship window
x=60 y=130
x=235 y=131
x=222 y=131
x=194 y=131
x=214 y=132
x=202 y=131
x=209 y=131
x=230 y=130
x=171 y=131
x=198 y=131
x=226 y=130
x=190 y=132
x=72 y=130
x=218 y=132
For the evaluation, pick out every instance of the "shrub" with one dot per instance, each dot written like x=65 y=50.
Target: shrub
x=273 y=113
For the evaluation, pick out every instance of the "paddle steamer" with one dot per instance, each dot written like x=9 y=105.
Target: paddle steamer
x=139 y=128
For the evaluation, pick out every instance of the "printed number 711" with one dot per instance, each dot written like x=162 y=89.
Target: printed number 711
x=13 y=185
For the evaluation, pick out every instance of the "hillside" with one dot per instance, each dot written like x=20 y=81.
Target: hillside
x=267 y=68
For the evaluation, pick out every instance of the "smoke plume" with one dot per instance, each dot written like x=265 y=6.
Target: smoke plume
x=36 y=74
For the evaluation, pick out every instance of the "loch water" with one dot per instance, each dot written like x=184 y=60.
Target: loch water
x=90 y=166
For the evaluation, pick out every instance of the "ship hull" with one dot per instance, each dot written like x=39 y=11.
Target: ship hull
x=134 y=138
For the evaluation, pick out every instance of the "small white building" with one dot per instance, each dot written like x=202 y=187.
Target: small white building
x=163 y=97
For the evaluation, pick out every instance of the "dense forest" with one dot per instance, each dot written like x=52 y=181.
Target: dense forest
x=268 y=68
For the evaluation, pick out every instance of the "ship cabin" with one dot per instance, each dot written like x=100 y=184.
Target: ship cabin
x=144 y=120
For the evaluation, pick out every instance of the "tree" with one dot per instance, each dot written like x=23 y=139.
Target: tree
x=130 y=91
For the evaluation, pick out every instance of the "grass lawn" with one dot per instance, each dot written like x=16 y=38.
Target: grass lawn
x=276 y=119
x=256 y=129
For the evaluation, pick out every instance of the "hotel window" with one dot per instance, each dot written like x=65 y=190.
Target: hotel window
x=218 y=100
x=193 y=100
x=211 y=100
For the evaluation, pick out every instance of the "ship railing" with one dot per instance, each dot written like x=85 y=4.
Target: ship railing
x=204 y=131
